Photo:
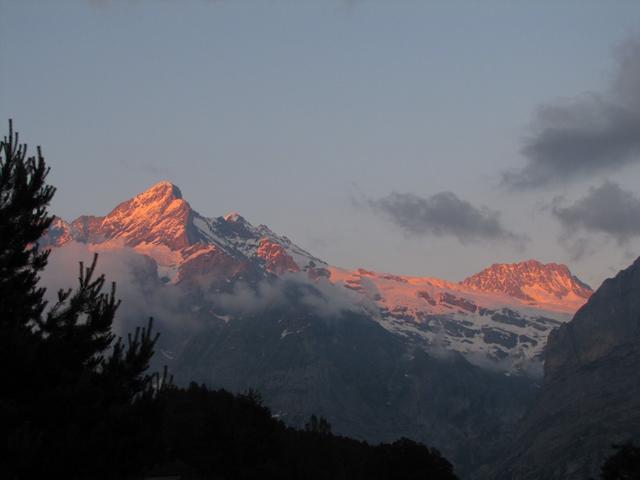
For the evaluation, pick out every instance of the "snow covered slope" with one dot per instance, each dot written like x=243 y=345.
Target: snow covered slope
x=488 y=325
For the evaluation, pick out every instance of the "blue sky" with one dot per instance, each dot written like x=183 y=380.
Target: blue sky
x=300 y=114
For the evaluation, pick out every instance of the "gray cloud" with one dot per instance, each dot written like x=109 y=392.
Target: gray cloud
x=443 y=214
x=577 y=248
x=588 y=134
x=605 y=209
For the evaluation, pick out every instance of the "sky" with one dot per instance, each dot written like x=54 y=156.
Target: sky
x=420 y=138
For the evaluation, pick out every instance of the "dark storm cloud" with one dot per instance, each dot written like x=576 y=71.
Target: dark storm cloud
x=442 y=214
x=606 y=209
x=586 y=135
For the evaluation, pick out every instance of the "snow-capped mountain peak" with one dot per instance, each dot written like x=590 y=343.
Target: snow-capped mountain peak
x=234 y=217
x=157 y=216
x=159 y=223
x=163 y=188
x=531 y=281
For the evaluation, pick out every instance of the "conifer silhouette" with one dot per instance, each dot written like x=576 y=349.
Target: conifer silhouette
x=74 y=401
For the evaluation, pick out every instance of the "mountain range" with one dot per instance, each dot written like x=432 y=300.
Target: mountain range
x=380 y=355
x=501 y=315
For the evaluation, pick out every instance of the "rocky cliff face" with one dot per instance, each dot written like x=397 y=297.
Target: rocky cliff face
x=610 y=320
x=590 y=397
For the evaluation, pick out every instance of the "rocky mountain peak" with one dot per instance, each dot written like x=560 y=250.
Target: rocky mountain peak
x=162 y=189
x=161 y=224
x=159 y=215
x=530 y=280
x=234 y=217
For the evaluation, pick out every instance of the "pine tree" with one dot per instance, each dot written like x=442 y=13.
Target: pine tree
x=24 y=197
x=75 y=401
x=318 y=425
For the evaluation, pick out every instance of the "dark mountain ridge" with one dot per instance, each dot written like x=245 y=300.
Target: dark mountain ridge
x=590 y=397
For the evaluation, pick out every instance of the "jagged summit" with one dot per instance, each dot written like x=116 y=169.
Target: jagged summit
x=162 y=188
x=234 y=217
x=157 y=216
x=530 y=280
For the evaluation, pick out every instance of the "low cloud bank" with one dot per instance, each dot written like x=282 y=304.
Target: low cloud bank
x=137 y=285
x=319 y=296
x=182 y=310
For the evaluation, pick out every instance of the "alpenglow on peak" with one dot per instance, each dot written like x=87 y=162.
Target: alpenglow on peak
x=529 y=280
